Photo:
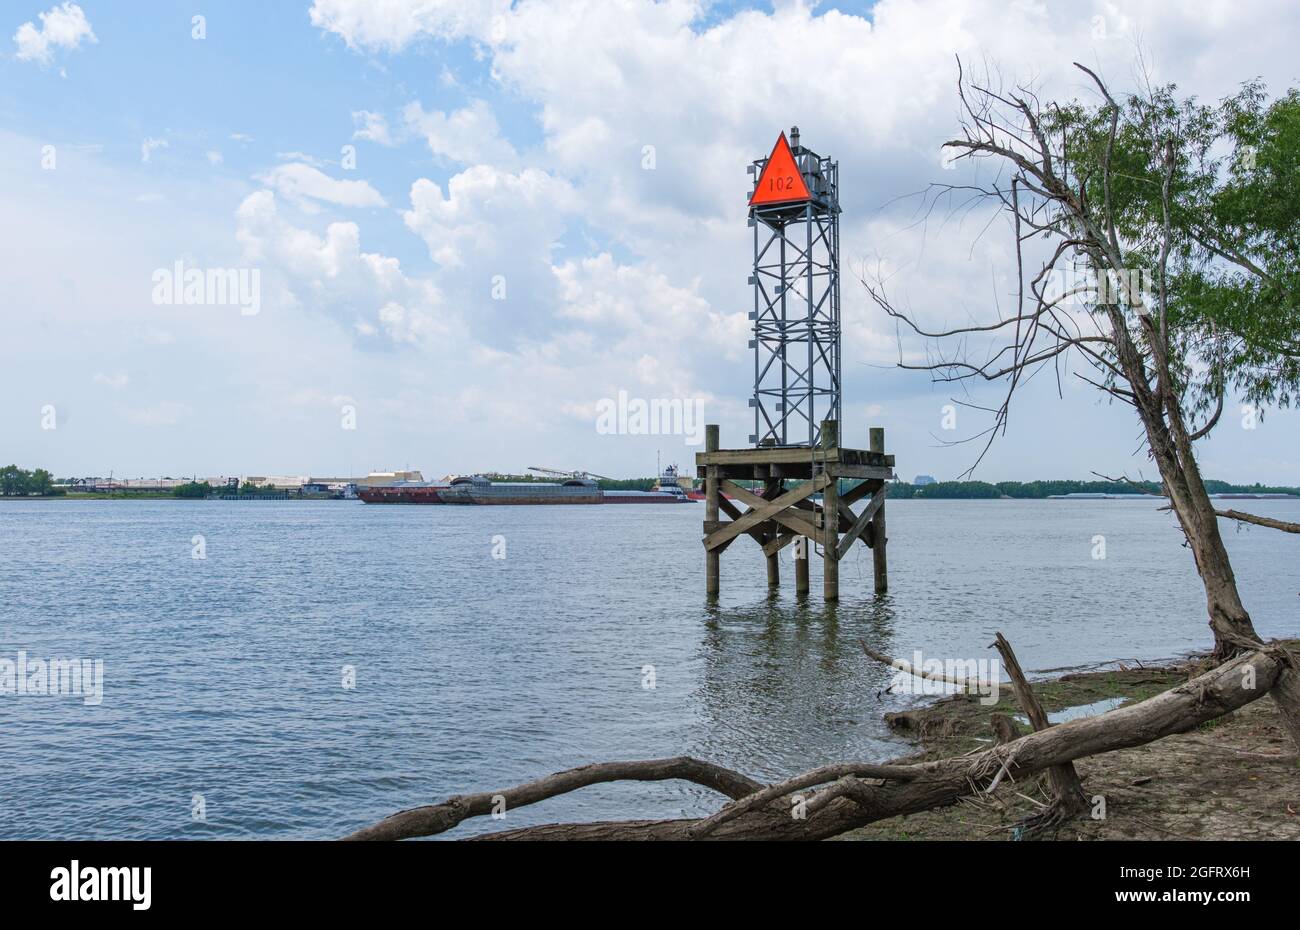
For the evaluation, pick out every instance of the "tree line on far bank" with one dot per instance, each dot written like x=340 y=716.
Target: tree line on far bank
x=200 y=489
x=1037 y=490
x=18 y=482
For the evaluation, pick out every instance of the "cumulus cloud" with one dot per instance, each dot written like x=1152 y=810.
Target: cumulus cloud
x=331 y=273
x=489 y=211
x=301 y=183
x=390 y=25
x=468 y=136
x=620 y=228
x=63 y=26
x=493 y=234
x=373 y=127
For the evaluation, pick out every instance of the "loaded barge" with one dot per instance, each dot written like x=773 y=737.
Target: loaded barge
x=477 y=489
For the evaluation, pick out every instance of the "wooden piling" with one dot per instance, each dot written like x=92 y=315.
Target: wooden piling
x=831 y=521
x=880 y=561
x=774 y=488
x=712 y=493
x=801 y=566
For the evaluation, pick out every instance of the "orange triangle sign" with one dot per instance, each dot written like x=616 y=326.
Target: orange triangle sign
x=780 y=181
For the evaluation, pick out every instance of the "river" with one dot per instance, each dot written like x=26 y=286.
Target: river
x=224 y=709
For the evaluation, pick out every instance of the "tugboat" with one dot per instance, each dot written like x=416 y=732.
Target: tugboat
x=666 y=490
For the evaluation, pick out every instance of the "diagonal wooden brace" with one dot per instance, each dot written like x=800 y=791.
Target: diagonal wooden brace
x=790 y=518
x=860 y=524
x=769 y=510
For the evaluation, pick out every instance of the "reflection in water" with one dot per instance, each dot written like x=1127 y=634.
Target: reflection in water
x=785 y=683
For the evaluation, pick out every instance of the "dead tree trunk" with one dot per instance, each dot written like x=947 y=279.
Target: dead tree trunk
x=1067 y=791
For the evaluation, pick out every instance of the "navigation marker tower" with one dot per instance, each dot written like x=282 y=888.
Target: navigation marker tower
x=795 y=214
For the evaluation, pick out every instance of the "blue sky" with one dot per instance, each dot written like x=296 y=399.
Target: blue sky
x=506 y=141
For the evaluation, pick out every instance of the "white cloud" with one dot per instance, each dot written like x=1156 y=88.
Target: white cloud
x=299 y=182
x=373 y=127
x=214 y=157
x=469 y=135
x=149 y=146
x=330 y=273
x=63 y=26
x=302 y=157
x=488 y=211
x=391 y=24
x=624 y=278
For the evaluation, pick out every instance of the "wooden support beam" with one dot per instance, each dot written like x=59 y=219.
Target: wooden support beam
x=769 y=510
x=761 y=533
x=860 y=524
x=880 y=564
x=830 y=544
x=789 y=517
x=801 y=566
x=830 y=435
x=712 y=494
x=859 y=491
x=773 y=489
x=775 y=545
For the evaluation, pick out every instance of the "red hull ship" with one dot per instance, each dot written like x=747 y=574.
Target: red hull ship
x=401 y=494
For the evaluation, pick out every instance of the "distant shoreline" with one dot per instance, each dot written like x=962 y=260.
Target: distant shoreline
x=1077 y=498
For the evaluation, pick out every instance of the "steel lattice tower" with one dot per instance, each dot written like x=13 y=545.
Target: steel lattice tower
x=796 y=280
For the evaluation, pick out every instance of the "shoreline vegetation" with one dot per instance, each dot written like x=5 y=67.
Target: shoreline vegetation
x=1039 y=490
x=18 y=484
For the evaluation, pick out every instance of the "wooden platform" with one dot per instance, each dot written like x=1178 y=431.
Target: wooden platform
x=777 y=515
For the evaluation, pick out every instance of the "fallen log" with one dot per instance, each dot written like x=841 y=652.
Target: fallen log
x=875 y=792
x=438 y=818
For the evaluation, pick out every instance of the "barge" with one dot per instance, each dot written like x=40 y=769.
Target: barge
x=477 y=489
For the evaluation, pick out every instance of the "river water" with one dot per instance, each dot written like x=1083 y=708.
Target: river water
x=223 y=688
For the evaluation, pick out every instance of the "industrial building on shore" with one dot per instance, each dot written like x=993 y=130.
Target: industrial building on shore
x=291 y=483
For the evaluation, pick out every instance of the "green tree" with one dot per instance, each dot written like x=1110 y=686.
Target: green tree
x=1195 y=263
x=13 y=481
x=40 y=482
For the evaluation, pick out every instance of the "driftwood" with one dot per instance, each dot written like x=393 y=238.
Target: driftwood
x=837 y=798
